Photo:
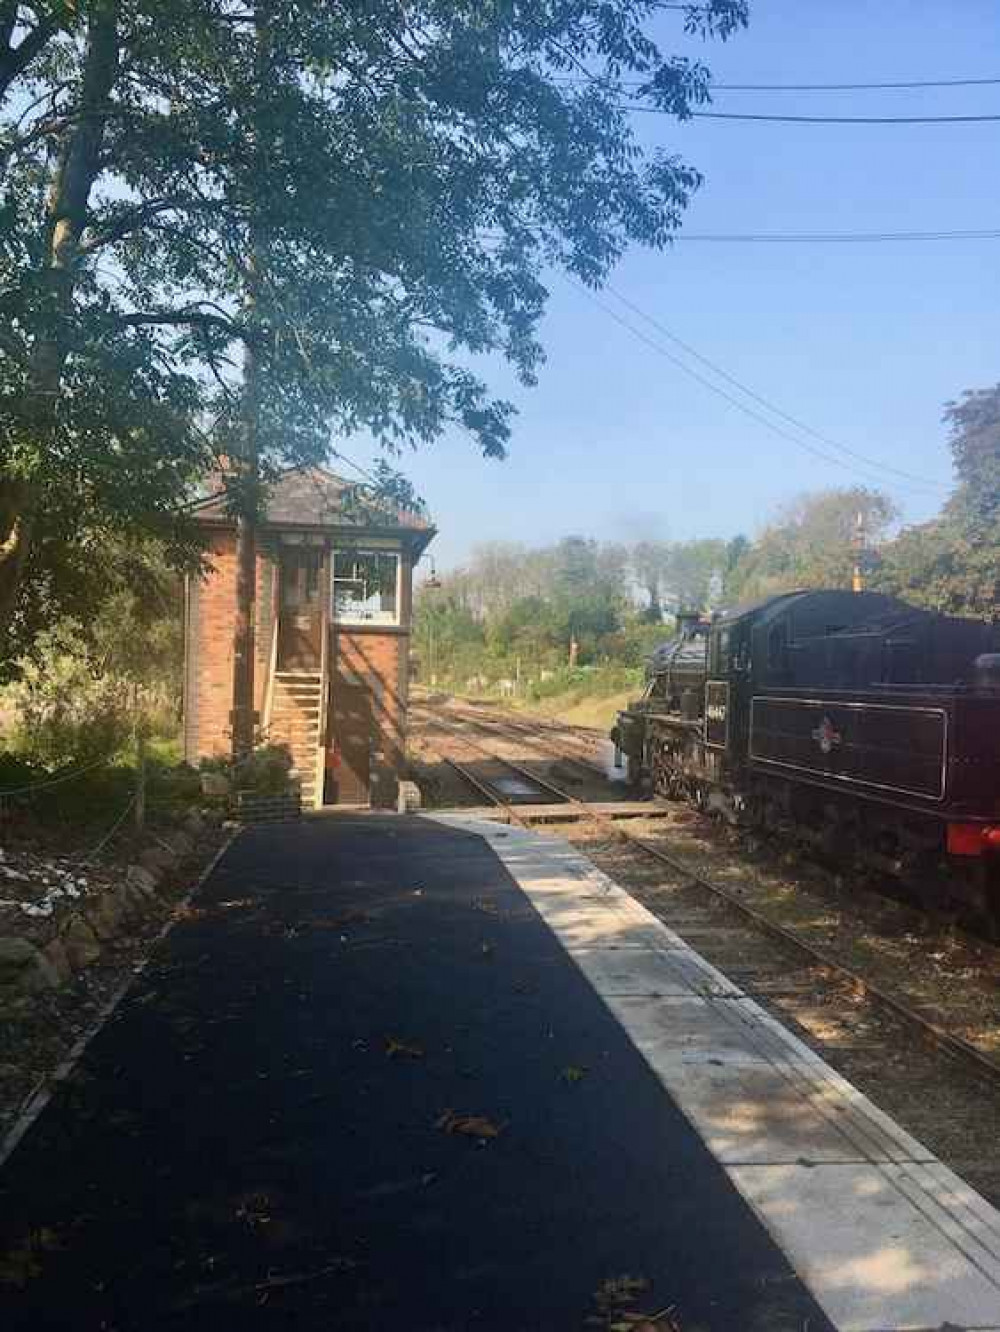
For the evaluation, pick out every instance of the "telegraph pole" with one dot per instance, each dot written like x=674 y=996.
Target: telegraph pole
x=860 y=543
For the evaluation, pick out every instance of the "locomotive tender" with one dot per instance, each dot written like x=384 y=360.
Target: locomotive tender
x=867 y=728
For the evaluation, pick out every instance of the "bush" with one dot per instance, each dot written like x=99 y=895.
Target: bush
x=66 y=712
x=266 y=771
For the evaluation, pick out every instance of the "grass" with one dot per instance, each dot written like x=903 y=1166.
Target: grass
x=578 y=709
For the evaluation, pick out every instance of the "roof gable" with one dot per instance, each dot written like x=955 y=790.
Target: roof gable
x=310 y=496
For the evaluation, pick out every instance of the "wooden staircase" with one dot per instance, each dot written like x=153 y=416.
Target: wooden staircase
x=296 y=719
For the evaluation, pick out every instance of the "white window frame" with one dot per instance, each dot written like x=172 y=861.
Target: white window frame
x=377 y=619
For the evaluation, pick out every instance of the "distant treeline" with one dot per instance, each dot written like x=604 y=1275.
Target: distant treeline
x=523 y=618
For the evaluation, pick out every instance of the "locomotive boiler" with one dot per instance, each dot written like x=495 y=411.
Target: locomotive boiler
x=864 y=727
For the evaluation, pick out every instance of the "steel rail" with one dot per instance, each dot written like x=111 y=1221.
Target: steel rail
x=938 y=1037
x=490 y=792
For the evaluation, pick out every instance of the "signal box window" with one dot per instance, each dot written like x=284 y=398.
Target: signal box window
x=365 y=587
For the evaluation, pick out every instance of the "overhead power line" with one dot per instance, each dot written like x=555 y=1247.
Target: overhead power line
x=834 y=237
x=854 y=87
x=894 y=86
x=766 y=402
x=813 y=120
x=869 y=465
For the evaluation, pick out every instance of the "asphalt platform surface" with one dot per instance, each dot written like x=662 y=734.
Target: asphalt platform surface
x=273 y=1130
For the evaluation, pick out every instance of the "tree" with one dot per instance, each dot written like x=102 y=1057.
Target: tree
x=650 y=561
x=952 y=563
x=811 y=542
x=690 y=570
x=387 y=188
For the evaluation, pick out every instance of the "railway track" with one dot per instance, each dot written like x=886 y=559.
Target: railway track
x=504 y=783
x=823 y=978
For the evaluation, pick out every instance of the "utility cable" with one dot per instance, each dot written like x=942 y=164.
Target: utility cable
x=711 y=386
x=766 y=403
x=906 y=84
x=811 y=120
x=832 y=237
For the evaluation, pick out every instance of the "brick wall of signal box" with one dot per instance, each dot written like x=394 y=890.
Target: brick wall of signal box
x=210 y=679
x=381 y=659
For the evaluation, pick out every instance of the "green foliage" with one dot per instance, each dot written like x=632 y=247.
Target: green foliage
x=953 y=562
x=585 y=682
x=67 y=710
x=513 y=615
x=810 y=543
x=356 y=202
x=266 y=770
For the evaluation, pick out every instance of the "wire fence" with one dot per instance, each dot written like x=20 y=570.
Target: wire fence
x=45 y=782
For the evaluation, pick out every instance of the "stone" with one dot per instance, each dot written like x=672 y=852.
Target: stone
x=141 y=881
x=104 y=914
x=194 y=823
x=180 y=843
x=80 y=942
x=14 y=954
x=156 y=859
x=25 y=968
x=57 y=956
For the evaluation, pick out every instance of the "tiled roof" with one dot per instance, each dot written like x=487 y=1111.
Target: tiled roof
x=314 y=497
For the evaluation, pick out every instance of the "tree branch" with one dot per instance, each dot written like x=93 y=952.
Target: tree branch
x=14 y=60
x=137 y=217
x=192 y=316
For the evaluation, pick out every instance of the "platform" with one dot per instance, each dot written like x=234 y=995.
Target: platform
x=361 y=1087
x=883 y=1234
x=568 y=812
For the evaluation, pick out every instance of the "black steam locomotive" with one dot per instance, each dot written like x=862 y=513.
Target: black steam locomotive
x=860 y=725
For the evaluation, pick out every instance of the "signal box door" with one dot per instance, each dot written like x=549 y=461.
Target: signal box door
x=352 y=732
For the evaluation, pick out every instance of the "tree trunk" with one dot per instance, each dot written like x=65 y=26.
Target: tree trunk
x=245 y=628
x=66 y=217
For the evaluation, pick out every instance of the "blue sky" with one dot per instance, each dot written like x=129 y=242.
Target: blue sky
x=864 y=343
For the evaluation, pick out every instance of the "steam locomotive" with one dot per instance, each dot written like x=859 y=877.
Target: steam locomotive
x=850 y=721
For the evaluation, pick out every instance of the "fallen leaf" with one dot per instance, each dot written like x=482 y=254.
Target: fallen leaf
x=573 y=1073
x=472 y=1126
x=400 y=1049
x=22 y=1264
x=616 y=1291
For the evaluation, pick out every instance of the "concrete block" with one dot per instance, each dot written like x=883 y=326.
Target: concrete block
x=872 y=1258
x=650 y=973
x=408 y=800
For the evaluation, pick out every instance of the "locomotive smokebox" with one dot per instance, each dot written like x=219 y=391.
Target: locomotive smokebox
x=686 y=621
